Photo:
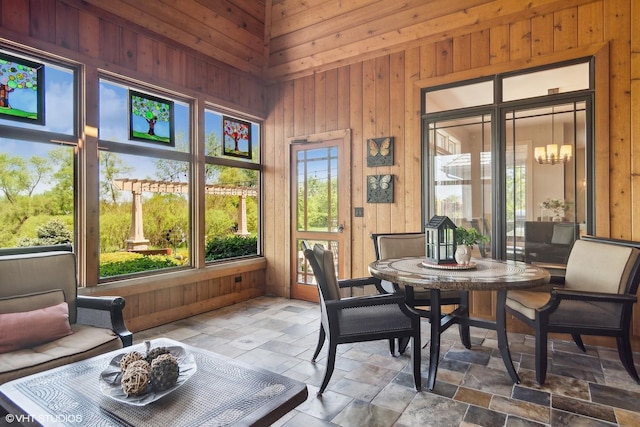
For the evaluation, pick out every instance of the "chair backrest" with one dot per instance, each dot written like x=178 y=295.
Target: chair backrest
x=323 y=267
x=603 y=265
x=398 y=245
x=564 y=233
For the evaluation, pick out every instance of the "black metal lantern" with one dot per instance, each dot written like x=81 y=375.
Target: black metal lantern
x=440 y=240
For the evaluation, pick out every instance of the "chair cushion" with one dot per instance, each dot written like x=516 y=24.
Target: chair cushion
x=365 y=320
x=599 y=267
x=325 y=259
x=526 y=302
x=398 y=246
x=31 y=328
x=401 y=245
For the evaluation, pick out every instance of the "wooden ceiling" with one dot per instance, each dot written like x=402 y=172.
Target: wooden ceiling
x=285 y=39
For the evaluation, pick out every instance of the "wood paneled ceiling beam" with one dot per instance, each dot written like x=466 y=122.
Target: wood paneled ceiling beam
x=370 y=40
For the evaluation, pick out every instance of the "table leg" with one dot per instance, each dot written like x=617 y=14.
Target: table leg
x=501 y=330
x=434 y=350
x=463 y=327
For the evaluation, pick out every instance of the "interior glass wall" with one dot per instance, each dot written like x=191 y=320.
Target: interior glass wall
x=514 y=162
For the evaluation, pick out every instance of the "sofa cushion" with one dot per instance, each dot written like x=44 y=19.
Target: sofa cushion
x=85 y=342
x=40 y=272
x=29 y=302
x=31 y=328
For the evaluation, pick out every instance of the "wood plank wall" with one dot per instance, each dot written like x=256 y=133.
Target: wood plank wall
x=380 y=97
x=74 y=30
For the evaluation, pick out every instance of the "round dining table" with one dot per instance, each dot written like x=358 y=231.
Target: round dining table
x=479 y=275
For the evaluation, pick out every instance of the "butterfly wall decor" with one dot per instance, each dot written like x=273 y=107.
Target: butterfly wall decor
x=380 y=189
x=380 y=151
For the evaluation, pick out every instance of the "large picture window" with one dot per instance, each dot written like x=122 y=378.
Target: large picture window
x=145 y=202
x=37 y=157
x=231 y=190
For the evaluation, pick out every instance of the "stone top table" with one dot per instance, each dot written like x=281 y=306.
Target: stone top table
x=221 y=392
x=487 y=274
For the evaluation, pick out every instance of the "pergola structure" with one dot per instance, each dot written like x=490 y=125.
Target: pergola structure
x=137 y=241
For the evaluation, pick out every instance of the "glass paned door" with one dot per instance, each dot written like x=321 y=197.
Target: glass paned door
x=319 y=210
x=459 y=154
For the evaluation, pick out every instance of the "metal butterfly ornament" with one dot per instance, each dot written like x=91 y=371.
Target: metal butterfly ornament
x=379 y=181
x=383 y=148
x=380 y=188
x=380 y=151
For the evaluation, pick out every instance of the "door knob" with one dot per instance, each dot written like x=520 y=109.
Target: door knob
x=340 y=228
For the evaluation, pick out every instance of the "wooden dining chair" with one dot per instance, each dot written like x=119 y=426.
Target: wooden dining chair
x=399 y=245
x=597 y=298
x=358 y=319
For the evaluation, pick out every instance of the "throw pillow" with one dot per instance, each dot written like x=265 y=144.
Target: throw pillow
x=30 y=328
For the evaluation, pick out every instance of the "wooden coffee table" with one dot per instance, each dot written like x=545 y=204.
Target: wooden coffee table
x=221 y=392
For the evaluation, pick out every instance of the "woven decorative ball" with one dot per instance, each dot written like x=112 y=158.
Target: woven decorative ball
x=134 y=380
x=140 y=364
x=129 y=358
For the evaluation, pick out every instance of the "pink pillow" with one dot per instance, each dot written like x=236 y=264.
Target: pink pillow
x=30 y=328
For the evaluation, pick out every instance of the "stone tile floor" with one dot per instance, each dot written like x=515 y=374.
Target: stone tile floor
x=371 y=388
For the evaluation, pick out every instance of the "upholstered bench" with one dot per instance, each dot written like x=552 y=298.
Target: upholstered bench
x=43 y=321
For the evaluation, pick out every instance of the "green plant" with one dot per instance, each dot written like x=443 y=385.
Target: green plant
x=231 y=247
x=118 y=263
x=469 y=236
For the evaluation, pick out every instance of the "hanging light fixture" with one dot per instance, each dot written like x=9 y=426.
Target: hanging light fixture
x=549 y=154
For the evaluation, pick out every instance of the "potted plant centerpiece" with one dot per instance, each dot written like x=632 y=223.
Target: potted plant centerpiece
x=465 y=239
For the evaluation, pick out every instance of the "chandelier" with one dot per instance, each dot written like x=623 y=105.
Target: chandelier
x=550 y=154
